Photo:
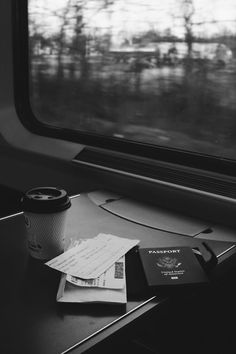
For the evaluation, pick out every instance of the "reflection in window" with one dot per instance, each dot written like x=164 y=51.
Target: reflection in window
x=157 y=72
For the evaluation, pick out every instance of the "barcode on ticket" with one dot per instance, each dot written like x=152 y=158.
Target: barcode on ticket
x=119 y=270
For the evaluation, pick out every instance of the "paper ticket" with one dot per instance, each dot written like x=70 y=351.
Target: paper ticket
x=92 y=257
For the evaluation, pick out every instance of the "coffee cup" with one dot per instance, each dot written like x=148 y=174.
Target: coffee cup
x=45 y=210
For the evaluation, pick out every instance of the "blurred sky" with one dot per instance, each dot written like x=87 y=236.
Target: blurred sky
x=127 y=17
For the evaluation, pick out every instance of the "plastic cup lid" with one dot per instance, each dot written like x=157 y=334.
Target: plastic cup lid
x=45 y=200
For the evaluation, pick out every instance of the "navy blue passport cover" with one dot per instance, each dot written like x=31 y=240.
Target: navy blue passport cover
x=171 y=266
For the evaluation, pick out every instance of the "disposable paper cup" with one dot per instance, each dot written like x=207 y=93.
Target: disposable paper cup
x=45 y=210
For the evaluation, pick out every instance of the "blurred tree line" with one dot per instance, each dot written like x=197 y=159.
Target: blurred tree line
x=106 y=89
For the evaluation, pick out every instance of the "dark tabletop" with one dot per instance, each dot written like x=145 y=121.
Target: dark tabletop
x=31 y=319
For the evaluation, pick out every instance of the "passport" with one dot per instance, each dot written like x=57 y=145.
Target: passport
x=171 y=266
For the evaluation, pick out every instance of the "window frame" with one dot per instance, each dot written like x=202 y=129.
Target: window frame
x=177 y=157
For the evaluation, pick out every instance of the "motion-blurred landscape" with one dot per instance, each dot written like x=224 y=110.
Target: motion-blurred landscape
x=162 y=73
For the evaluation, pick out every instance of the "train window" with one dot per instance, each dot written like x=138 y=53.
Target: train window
x=146 y=77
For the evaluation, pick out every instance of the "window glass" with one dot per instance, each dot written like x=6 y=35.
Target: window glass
x=151 y=71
